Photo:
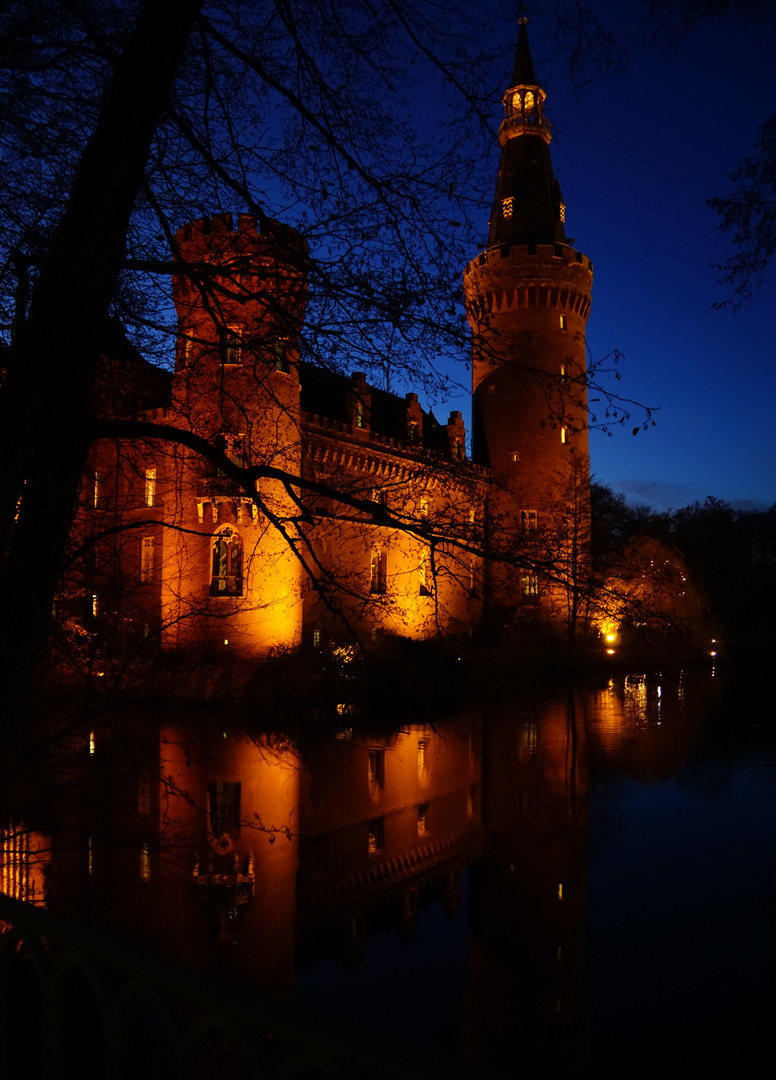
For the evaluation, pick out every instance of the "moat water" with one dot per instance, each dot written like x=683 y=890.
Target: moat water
x=561 y=882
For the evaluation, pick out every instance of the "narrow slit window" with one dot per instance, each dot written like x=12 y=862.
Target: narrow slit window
x=563 y=322
x=508 y=206
x=150 y=487
x=147 y=560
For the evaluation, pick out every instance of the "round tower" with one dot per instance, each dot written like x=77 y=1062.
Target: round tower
x=527 y=300
x=233 y=582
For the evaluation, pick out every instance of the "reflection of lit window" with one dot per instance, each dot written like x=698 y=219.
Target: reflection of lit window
x=144 y=793
x=145 y=863
x=147 y=559
x=422 y=748
x=508 y=206
x=378 y=571
x=376 y=769
x=226 y=579
x=150 y=487
x=422 y=813
x=376 y=835
x=223 y=811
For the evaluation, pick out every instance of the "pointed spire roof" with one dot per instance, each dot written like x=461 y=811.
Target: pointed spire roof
x=523 y=73
x=528 y=207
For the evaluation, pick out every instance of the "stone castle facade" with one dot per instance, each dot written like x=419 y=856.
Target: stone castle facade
x=362 y=515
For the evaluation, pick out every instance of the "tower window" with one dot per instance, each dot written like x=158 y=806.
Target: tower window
x=147 y=559
x=529 y=100
x=562 y=213
x=425 y=583
x=150 y=487
x=280 y=349
x=563 y=323
x=507 y=206
x=563 y=435
x=562 y=372
x=226 y=579
x=359 y=415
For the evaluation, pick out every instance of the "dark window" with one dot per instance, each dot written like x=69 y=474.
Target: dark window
x=224 y=809
x=378 y=572
x=231 y=345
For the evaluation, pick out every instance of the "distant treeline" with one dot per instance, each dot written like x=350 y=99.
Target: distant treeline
x=731 y=553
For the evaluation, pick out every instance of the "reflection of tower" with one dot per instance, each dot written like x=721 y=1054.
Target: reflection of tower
x=240 y=308
x=527 y=301
x=523 y=1009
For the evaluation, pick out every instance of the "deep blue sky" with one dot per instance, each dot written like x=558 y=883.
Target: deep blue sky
x=637 y=157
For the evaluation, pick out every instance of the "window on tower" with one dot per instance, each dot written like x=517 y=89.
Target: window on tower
x=564 y=435
x=507 y=206
x=378 y=571
x=563 y=322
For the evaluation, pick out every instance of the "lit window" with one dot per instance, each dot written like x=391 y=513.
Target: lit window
x=471 y=575
x=515 y=457
x=529 y=520
x=562 y=212
x=96 y=495
x=516 y=103
x=422 y=815
x=226 y=578
x=187 y=352
x=426 y=576
x=563 y=323
x=150 y=487
x=424 y=509
x=529 y=587
x=508 y=206
x=562 y=372
x=378 y=571
x=359 y=415
x=529 y=100
x=231 y=345
x=376 y=769
x=563 y=435
x=95 y=605
x=316 y=639
x=412 y=431
x=147 y=559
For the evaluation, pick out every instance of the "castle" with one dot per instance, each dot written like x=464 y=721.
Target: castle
x=277 y=503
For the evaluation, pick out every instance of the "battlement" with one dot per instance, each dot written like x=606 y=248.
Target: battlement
x=506 y=277
x=552 y=255
x=226 y=237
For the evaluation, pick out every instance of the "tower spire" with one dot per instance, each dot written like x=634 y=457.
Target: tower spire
x=527 y=208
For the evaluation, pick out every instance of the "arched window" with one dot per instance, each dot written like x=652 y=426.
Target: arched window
x=226 y=579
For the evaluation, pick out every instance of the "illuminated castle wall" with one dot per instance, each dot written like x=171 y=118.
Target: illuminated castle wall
x=207 y=566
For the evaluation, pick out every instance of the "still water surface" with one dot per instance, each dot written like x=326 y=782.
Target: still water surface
x=661 y=817
x=562 y=882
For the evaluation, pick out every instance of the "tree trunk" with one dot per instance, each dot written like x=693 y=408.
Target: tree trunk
x=47 y=401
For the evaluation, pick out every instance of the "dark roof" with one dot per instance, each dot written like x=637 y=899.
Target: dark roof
x=329 y=394
x=523 y=72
